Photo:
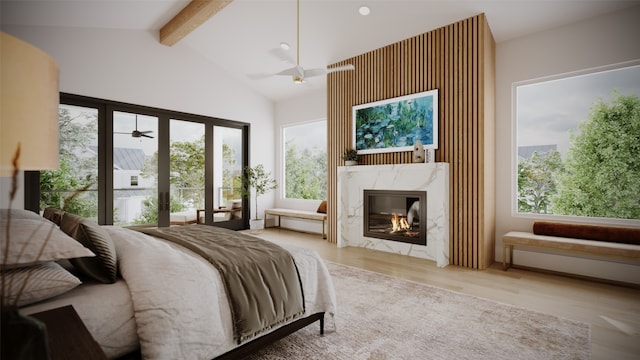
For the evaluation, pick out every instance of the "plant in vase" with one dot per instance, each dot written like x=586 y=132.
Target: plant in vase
x=260 y=181
x=350 y=157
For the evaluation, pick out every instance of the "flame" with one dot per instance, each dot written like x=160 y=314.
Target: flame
x=399 y=223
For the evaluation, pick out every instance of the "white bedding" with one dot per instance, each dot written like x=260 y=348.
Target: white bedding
x=181 y=309
x=106 y=311
x=171 y=302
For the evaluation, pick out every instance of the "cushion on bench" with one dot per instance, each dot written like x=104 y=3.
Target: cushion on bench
x=623 y=235
x=300 y=214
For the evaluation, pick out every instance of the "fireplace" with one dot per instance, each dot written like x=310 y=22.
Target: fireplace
x=396 y=215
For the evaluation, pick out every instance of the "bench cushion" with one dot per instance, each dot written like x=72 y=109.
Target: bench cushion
x=300 y=214
x=588 y=232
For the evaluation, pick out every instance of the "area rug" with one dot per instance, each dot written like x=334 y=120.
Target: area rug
x=382 y=317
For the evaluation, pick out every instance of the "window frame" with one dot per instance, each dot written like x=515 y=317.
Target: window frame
x=283 y=150
x=514 y=150
x=105 y=155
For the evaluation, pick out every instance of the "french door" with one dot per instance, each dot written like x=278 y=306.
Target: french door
x=126 y=165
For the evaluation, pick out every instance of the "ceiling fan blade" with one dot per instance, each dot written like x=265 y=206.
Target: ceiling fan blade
x=145 y=135
x=294 y=71
x=341 y=68
x=315 y=72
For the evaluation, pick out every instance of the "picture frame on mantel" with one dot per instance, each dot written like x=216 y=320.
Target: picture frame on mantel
x=395 y=124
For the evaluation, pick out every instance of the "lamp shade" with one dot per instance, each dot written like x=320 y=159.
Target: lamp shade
x=29 y=106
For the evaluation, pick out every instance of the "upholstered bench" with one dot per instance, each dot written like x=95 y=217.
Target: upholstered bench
x=586 y=239
x=297 y=214
x=182 y=218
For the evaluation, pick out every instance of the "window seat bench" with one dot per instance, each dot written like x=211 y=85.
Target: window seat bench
x=593 y=247
x=296 y=214
x=182 y=218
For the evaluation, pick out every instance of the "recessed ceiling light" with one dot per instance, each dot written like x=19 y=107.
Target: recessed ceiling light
x=364 y=10
x=284 y=46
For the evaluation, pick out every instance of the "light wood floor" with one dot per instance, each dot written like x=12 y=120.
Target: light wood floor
x=612 y=310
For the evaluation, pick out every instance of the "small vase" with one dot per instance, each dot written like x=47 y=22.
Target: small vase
x=23 y=337
x=350 y=162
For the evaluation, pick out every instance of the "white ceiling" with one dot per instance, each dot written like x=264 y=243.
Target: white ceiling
x=239 y=38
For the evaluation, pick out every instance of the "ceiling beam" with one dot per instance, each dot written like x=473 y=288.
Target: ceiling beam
x=189 y=18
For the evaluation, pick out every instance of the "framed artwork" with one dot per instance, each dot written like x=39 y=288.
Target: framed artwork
x=396 y=124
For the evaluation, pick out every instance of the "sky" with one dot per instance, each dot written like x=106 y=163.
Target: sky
x=310 y=135
x=548 y=110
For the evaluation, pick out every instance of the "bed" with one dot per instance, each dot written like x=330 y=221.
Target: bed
x=143 y=293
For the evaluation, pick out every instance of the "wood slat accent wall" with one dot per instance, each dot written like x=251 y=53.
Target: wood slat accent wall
x=459 y=60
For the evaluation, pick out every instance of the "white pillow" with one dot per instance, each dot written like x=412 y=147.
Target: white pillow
x=44 y=281
x=27 y=237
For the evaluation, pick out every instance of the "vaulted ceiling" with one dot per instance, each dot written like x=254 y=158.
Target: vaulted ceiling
x=241 y=34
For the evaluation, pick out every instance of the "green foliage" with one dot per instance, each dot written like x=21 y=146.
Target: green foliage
x=149 y=213
x=349 y=155
x=306 y=173
x=602 y=177
x=232 y=182
x=73 y=187
x=258 y=179
x=536 y=181
x=395 y=125
x=187 y=170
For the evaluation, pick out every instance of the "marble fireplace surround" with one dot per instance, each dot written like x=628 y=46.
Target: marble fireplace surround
x=430 y=177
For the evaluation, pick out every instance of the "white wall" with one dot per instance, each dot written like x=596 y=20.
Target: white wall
x=588 y=44
x=132 y=66
x=294 y=111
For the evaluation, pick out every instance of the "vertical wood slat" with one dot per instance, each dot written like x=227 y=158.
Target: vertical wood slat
x=457 y=59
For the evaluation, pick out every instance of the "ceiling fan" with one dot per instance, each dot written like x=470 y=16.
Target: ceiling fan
x=135 y=133
x=298 y=73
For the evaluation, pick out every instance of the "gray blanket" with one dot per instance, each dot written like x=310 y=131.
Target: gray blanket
x=260 y=277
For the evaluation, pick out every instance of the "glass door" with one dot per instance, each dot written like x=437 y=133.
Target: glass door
x=227 y=176
x=74 y=187
x=135 y=169
x=187 y=171
x=126 y=165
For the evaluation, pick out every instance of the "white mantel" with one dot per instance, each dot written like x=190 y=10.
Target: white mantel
x=430 y=177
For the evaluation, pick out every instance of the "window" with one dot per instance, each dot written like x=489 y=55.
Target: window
x=75 y=185
x=126 y=164
x=578 y=144
x=305 y=159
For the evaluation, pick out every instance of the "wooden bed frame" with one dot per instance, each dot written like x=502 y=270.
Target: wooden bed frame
x=259 y=342
x=267 y=339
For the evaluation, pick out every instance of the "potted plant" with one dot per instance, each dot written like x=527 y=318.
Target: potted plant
x=261 y=182
x=350 y=157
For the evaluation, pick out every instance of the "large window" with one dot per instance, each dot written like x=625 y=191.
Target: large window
x=126 y=164
x=578 y=144
x=305 y=159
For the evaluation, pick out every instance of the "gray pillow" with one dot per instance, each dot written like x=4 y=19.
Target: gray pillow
x=41 y=282
x=103 y=267
x=36 y=240
x=19 y=214
x=53 y=215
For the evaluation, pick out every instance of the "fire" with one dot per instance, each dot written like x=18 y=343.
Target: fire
x=399 y=223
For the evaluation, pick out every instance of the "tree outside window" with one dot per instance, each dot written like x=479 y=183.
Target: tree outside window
x=305 y=159
x=578 y=145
